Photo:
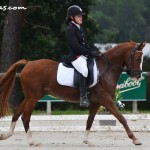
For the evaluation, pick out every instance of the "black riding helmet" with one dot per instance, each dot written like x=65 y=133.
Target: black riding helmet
x=74 y=10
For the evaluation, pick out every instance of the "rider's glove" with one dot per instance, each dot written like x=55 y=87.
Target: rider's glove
x=95 y=53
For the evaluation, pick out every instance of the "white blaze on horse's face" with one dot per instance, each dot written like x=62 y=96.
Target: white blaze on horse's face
x=139 y=60
x=141 y=64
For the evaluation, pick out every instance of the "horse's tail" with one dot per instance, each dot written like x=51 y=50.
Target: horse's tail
x=6 y=85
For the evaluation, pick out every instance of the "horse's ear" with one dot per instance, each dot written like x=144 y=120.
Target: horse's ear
x=142 y=44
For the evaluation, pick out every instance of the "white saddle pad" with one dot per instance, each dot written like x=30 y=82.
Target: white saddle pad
x=65 y=76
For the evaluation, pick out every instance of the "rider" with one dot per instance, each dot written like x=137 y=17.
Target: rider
x=79 y=49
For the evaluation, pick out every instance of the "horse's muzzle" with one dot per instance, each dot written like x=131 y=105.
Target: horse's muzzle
x=134 y=73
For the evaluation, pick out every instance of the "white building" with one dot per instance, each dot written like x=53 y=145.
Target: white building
x=103 y=47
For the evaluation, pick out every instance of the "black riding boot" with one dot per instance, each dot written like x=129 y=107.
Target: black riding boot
x=84 y=101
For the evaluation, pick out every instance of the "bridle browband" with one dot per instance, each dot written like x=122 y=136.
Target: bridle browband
x=128 y=69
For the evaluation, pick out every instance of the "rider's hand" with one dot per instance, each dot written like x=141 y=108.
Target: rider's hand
x=95 y=53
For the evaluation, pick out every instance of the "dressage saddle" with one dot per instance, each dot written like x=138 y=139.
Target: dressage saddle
x=90 y=78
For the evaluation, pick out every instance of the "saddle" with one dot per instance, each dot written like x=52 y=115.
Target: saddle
x=90 y=78
x=67 y=75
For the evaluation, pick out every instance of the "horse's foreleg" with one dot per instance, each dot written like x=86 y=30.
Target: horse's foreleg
x=9 y=133
x=92 y=113
x=29 y=106
x=114 y=110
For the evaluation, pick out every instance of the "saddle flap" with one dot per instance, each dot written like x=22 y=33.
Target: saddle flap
x=65 y=75
x=68 y=76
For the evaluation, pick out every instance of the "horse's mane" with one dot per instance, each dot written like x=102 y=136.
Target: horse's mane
x=118 y=46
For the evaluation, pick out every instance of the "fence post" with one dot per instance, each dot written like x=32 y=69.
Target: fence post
x=49 y=110
x=134 y=107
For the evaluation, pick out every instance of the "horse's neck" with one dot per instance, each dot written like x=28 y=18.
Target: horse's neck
x=116 y=58
x=111 y=76
x=112 y=73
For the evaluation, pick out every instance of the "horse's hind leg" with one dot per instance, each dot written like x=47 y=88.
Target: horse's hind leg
x=29 y=106
x=92 y=113
x=114 y=110
x=17 y=113
x=9 y=133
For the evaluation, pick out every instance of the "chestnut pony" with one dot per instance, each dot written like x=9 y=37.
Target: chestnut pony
x=39 y=78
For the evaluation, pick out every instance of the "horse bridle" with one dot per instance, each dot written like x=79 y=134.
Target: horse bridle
x=128 y=69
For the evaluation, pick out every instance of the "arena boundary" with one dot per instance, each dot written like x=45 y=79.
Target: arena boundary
x=72 y=128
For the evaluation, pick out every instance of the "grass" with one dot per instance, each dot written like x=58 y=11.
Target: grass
x=39 y=112
x=82 y=112
x=144 y=111
x=63 y=112
x=70 y=112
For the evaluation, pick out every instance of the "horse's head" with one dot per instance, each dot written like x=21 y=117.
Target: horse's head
x=134 y=60
x=127 y=57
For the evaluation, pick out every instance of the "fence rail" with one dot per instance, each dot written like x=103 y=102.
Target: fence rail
x=17 y=74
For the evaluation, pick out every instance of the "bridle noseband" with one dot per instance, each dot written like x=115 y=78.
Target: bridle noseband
x=128 y=69
x=132 y=72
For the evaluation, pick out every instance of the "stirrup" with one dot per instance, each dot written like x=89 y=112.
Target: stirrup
x=84 y=102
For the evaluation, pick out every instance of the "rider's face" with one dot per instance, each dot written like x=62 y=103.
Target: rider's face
x=78 y=19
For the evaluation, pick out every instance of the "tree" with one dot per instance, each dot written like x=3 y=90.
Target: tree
x=104 y=13
x=10 y=51
x=44 y=28
x=119 y=20
x=146 y=14
x=146 y=62
x=130 y=20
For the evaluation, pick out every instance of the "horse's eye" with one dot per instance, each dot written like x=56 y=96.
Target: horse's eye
x=138 y=59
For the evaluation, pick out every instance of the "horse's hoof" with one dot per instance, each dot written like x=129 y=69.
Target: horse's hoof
x=85 y=142
x=31 y=144
x=38 y=144
x=1 y=137
x=137 y=142
x=35 y=144
x=89 y=143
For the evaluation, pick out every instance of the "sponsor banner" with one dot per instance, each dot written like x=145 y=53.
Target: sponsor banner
x=132 y=90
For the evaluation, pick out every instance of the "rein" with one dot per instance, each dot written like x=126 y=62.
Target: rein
x=114 y=64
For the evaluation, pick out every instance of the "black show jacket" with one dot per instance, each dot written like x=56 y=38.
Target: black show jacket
x=77 y=43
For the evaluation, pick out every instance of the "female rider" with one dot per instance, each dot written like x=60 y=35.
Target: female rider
x=79 y=49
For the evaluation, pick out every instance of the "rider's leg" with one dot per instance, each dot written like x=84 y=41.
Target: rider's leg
x=80 y=65
x=84 y=101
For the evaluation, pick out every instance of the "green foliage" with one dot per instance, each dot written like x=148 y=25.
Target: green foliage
x=121 y=20
x=2 y=21
x=117 y=95
x=146 y=63
x=44 y=28
x=70 y=112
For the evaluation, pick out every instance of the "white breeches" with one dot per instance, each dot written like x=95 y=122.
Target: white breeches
x=80 y=64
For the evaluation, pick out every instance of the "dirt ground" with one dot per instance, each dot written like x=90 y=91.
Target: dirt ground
x=73 y=141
